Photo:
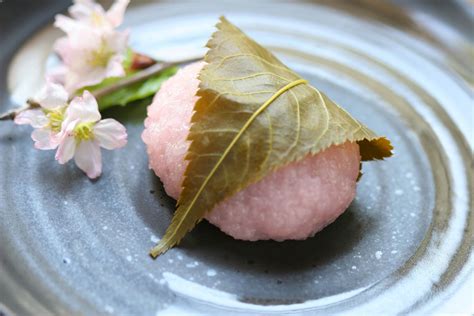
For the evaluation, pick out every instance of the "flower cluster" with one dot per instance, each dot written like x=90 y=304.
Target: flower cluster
x=75 y=128
x=92 y=49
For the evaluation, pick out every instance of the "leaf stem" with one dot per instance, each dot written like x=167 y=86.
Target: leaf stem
x=125 y=82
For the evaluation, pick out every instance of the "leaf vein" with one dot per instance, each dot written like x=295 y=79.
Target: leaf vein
x=226 y=58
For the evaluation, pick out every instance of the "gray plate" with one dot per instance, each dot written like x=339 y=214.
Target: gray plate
x=74 y=246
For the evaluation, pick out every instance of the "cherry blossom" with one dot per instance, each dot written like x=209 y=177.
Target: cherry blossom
x=92 y=49
x=74 y=128
x=47 y=119
x=92 y=13
x=83 y=133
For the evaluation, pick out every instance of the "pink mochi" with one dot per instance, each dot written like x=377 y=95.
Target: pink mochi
x=294 y=202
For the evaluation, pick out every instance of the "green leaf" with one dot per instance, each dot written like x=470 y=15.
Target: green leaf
x=136 y=91
x=254 y=115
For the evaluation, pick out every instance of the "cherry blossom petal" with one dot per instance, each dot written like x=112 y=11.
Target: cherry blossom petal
x=52 y=96
x=72 y=82
x=82 y=9
x=79 y=34
x=57 y=75
x=85 y=39
x=84 y=109
x=115 y=67
x=75 y=80
x=36 y=118
x=62 y=47
x=110 y=134
x=66 y=24
x=118 y=41
x=44 y=139
x=66 y=149
x=89 y=158
x=116 y=12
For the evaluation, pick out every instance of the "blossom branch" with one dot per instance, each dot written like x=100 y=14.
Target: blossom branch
x=125 y=82
x=10 y=115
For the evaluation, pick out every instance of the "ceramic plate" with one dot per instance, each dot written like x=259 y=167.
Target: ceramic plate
x=74 y=246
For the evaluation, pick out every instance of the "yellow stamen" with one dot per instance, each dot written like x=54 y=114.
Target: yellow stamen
x=83 y=132
x=101 y=56
x=97 y=19
x=55 y=118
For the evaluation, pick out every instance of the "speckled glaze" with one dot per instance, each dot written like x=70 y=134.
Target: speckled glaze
x=79 y=247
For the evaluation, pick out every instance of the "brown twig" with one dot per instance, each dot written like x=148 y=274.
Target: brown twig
x=10 y=115
x=137 y=77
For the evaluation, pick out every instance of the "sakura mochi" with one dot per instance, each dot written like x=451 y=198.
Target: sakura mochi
x=294 y=202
